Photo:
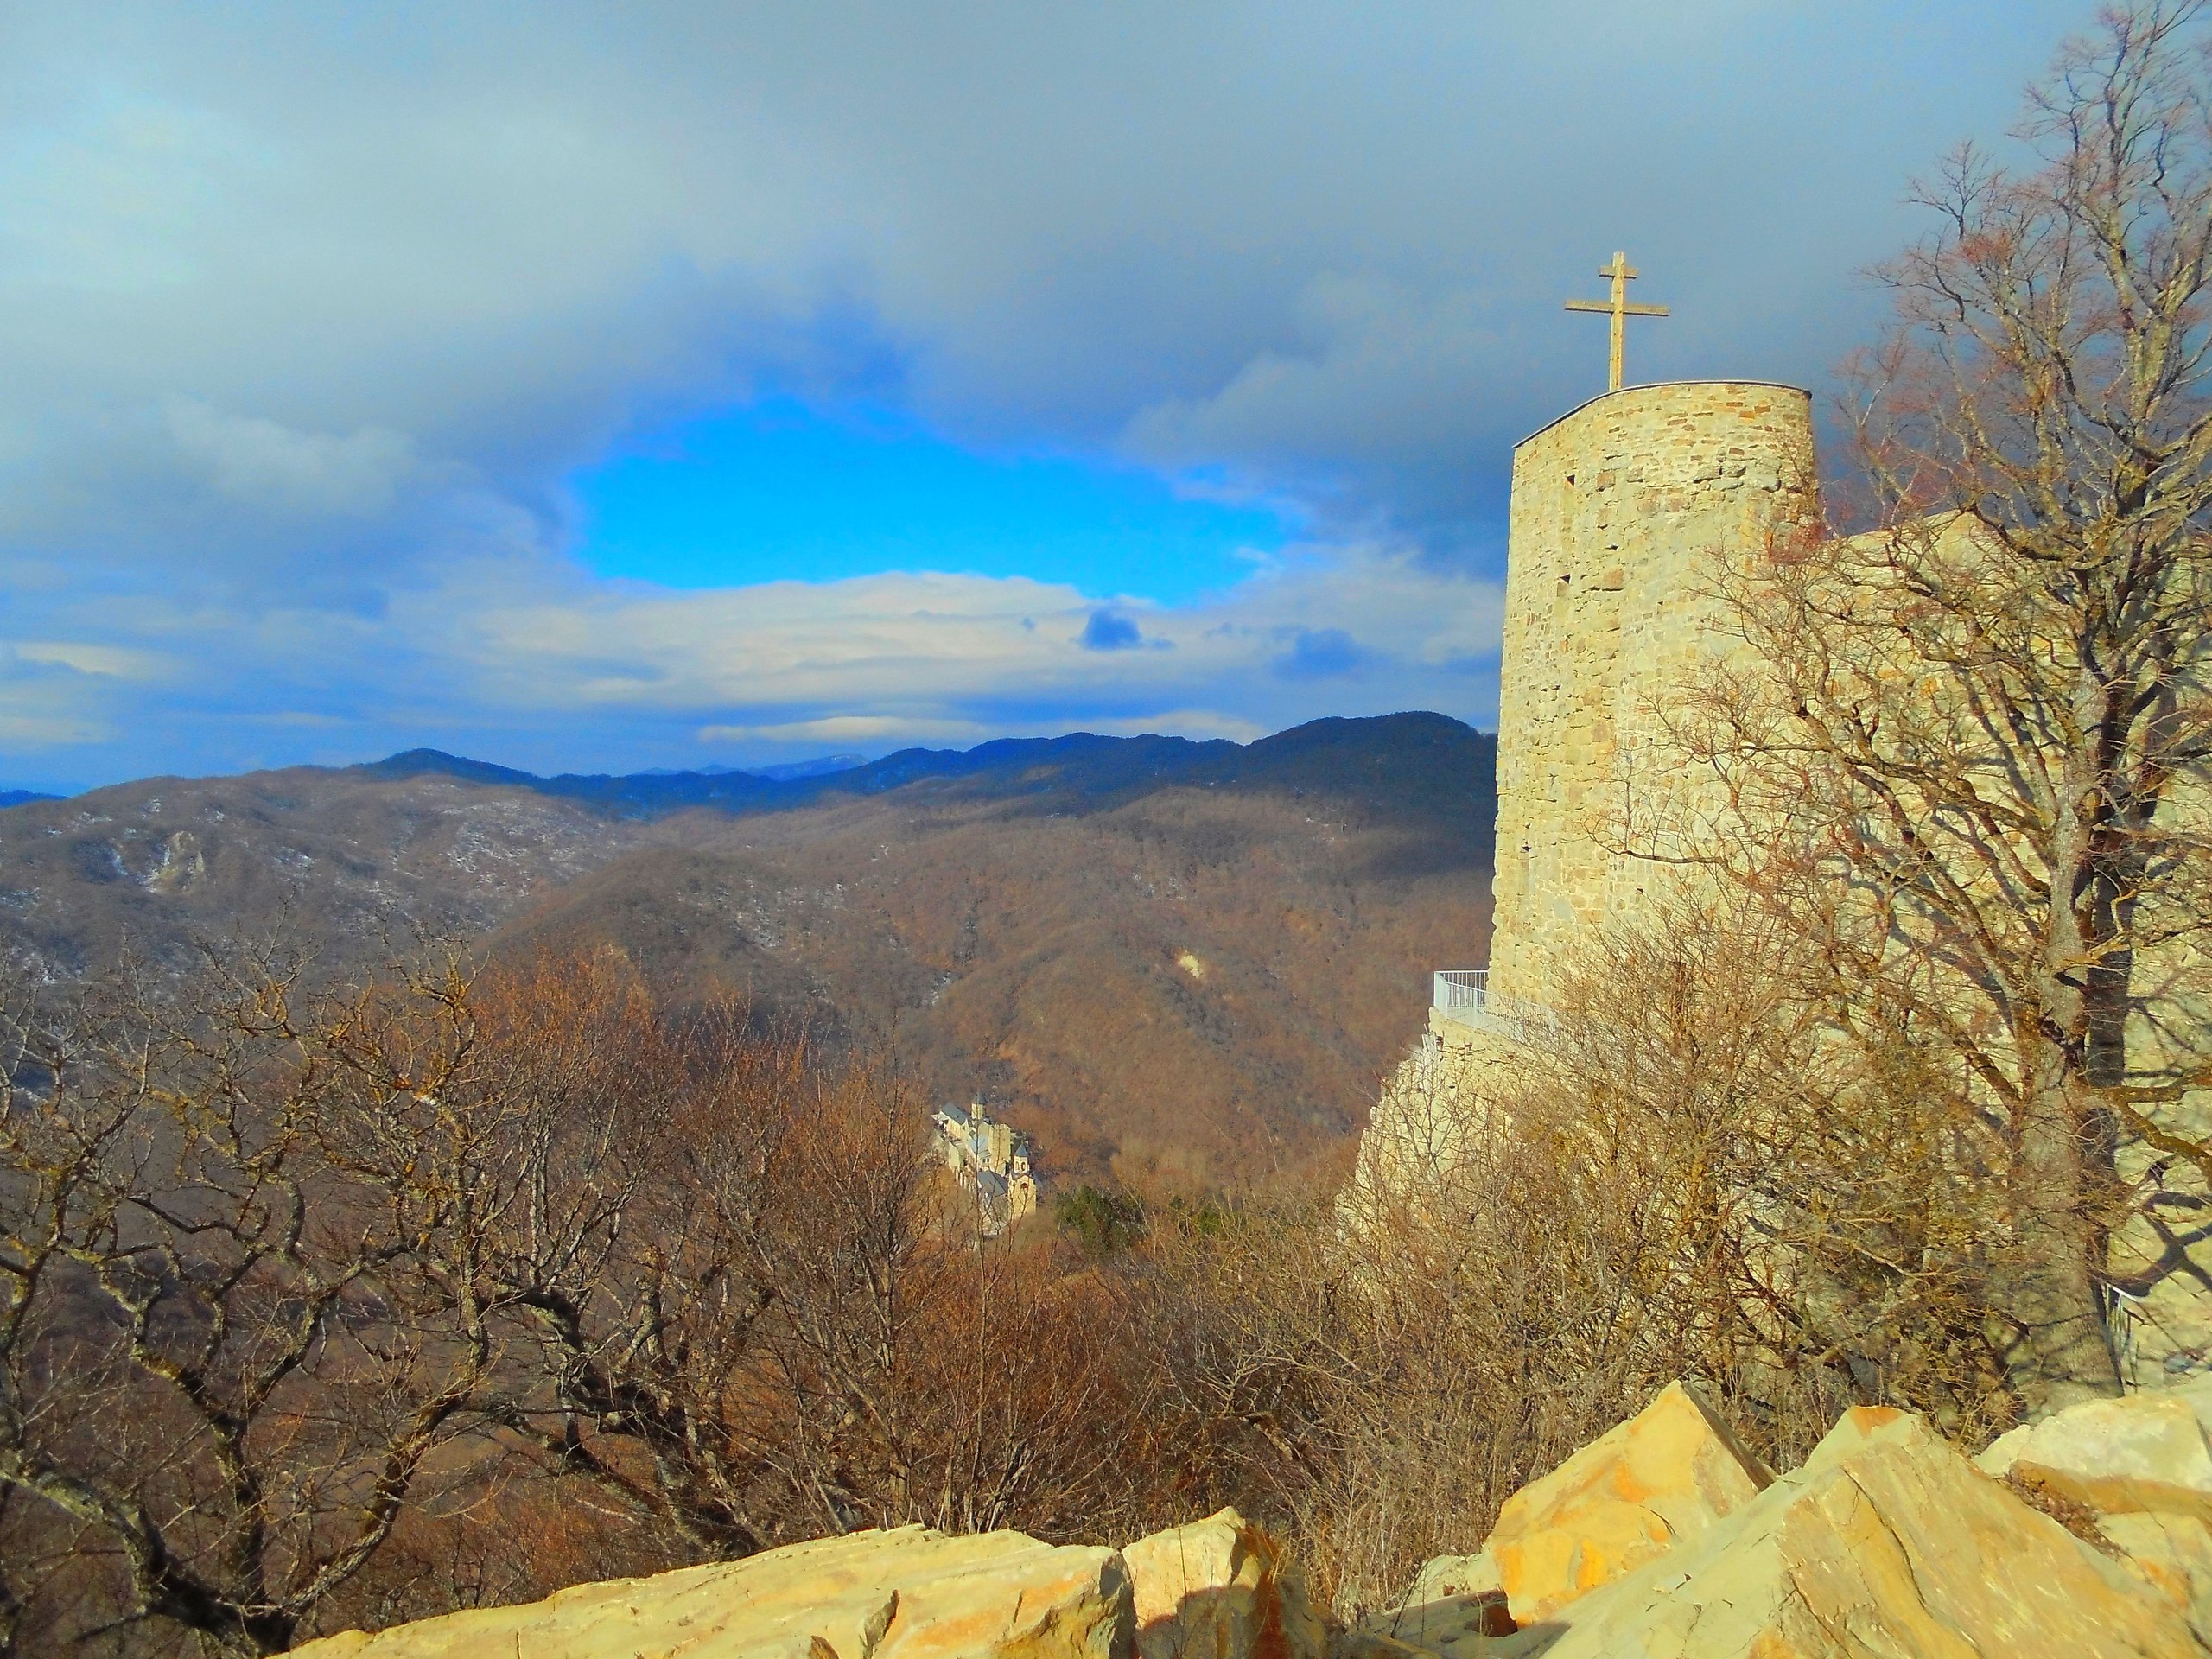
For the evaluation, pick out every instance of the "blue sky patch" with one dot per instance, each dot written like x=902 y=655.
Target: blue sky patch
x=779 y=492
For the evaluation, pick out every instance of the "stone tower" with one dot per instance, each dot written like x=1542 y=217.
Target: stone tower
x=1621 y=510
x=1623 y=513
x=1617 y=509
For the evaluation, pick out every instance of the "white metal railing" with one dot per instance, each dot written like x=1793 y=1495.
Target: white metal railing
x=1460 y=994
x=1463 y=995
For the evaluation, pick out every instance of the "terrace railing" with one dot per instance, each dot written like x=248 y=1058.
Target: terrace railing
x=1463 y=994
x=1460 y=994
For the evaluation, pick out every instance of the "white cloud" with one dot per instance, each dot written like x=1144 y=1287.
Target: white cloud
x=909 y=658
x=852 y=728
x=35 y=732
x=851 y=637
x=309 y=312
x=48 y=702
x=523 y=661
x=262 y=464
x=111 y=662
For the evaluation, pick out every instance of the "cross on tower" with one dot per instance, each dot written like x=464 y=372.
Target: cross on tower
x=1620 y=310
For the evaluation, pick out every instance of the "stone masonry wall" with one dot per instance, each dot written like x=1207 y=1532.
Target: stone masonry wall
x=1615 y=507
x=1619 y=511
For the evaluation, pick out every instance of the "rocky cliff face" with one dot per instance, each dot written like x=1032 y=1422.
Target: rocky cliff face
x=2088 y=1536
x=1216 y=1588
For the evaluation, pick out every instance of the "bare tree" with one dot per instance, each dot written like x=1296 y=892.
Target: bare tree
x=759 y=1308
x=657 y=1158
x=1682 y=1175
x=1985 y=721
x=231 y=1337
x=931 y=1373
x=323 y=1307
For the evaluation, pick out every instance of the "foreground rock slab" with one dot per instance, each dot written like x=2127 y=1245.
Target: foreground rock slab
x=906 y=1593
x=1219 y=1589
x=2142 y=1467
x=2147 y=1453
x=1653 y=1483
x=1886 y=1542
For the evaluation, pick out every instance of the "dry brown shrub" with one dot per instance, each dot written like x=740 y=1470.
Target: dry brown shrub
x=366 y=1302
x=1689 y=1175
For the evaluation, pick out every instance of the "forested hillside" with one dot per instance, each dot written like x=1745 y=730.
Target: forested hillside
x=1157 y=957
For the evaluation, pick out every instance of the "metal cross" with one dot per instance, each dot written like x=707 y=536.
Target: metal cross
x=1620 y=310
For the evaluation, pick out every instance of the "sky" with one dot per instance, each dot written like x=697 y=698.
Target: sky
x=605 y=387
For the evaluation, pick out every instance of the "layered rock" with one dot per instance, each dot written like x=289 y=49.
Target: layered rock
x=2140 y=1470
x=1887 y=1542
x=2147 y=1453
x=1661 y=1479
x=906 y=1593
x=1657 y=1481
x=1219 y=1589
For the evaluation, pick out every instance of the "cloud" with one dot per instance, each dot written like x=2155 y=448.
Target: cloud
x=852 y=728
x=262 y=464
x=1319 y=654
x=1104 y=630
x=309 y=316
x=508 y=658
x=111 y=662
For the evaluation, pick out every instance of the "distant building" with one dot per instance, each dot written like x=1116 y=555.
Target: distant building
x=993 y=1157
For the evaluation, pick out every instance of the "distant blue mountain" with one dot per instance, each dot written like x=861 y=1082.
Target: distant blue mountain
x=23 y=797
x=820 y=766
x=783 y=773
x=1426 y=757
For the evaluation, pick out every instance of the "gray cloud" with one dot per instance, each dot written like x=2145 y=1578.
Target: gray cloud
x=308 y=312
x=1106 y=630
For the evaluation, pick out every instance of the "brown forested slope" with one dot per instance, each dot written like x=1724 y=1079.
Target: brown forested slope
x=1204 y=980
x=341 y=860
x=1194 y=958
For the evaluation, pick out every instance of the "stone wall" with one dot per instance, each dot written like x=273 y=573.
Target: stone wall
x=1618 y=508
x=1621 y=512
x=1615 y=506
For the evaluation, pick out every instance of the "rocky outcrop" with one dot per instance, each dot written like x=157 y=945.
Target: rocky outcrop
x=2086 y=1536
x=1652 y=1483
x=1219 y=1589
x=1648 y=1486
x=1658 y=1481
x=908 y=1593
x=2140 y=1470
x=1891 y=1543
x=1887 y=1542
x=2144 y=1454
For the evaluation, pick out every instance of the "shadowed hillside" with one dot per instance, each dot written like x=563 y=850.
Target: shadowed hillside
x=1192 y=957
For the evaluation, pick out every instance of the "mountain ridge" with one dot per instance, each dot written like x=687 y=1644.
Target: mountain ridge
x=1109 y=765
x=1151 y=953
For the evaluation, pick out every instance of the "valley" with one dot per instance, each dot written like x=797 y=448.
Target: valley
x=1167 y=962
